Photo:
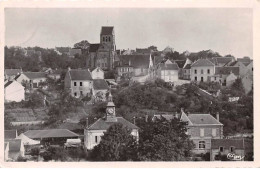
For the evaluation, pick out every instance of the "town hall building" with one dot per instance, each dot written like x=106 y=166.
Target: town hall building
x=103 y=54
x=93 y=133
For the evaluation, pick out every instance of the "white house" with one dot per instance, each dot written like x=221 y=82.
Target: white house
x=13 y=91
x=201 y=70
x=97 y=73
x=32 y=78
x=168 y=71
x=93 y=133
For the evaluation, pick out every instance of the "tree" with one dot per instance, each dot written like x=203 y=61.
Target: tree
x=163 y=140
x=153 y=48
x=34 y=101
x=238 y=86
x=84 y=44
x=117 y=144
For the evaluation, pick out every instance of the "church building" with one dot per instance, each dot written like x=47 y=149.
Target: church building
x=93 y=133
x=104 y=53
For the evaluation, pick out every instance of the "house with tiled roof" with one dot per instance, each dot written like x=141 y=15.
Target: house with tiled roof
x=187 y=72
x=94 y=132
x=184 y=70
x=201 y=70
x=79 y=82
x=100 y=89
x=15 y=149
x=202 y=128
x=10 y=74
x=221 y=61
x=245 y=60
x=104 y=53
x=242 y=68
x=13 y=91
x=168 y=71
x=223 y=147
x=32 y=79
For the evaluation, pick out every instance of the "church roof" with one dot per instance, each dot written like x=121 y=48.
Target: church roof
x=93 y=47
x=102 y=124
x=107 y=30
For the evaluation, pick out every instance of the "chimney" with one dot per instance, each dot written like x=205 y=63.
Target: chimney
x=87 y=123
x=146 y=118
x=217 y=116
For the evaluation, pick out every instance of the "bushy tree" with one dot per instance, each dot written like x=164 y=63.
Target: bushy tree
x=117 y=144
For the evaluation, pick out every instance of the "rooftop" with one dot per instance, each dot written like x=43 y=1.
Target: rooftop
x=180 y=63
x=226 y=70
x=169 y=66
x=136 y=61
x=10 y=72
x=203 y=119
x=50 y=133
x=105 y=30
x=93 y=47
x=10 y=134
x=35 y=75
x=101 y=124
x=77 y=74
x=202 y=62
x=100 y=84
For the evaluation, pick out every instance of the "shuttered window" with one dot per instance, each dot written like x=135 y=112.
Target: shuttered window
x=202 y=132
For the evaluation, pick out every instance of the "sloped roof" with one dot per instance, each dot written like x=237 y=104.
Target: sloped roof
x=137 y=61
x=158 y=59
x=145 y=50
x=226 y=70
x=10 y=72
x=188 y=66
x=107 y=30
x=227 y=143
x=10 y=134
x=244 y=60
x=14 y=145
x=93 y=47
x=77 y=74
x=101 y=124
x=100 y=84
x=50 y=133
x=180 y=63
x=202 y=62
x=203 y=119
x=169 y=66
x=8 y=83
x=223 y=60
x=35 y=75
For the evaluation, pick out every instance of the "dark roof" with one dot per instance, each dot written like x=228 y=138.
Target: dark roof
x=14 y=145
x=100 y=84
x=101 y=124
x=35 y=75
x=169 y=67
x=223 y=60
x=231 y=63
x=244 y=60
x=56 y=71
x=93 y=47
x=226 y=70
x=158 y=59
x=137 y=61
x=144 y=51
x=188 y=66
x=203 y=119
x=227 y=143
x=180 y=63
x=107 y=30
x=8 y=83
x=77 y=74
x=10 y=134
x=11 y=72
x=50 y=133
x=202 y=62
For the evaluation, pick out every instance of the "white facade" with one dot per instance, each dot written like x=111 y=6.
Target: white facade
x=14 y=92
x=97 y=73
x=81 y=87
x=201 y=73
x=169 y=75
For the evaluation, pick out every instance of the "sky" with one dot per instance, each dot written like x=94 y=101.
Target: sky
x=224 y=30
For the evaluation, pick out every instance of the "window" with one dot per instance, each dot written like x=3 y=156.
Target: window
x=75 y=83
x=109 y=39
x=221 y=149
x=195 y=78
x=208 y=71
x=214 y=132
x=201 y=71
x=201 y=144
x=75 y=94
x=80 y=83
x=195 y=71
x=103 y=39
x=81 y=93
x=106 y=38
x=201 y=79
x=215 y=78
x=96 y=139
x=202 y=132
x=232 y=149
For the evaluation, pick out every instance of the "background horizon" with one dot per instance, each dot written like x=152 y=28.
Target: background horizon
x=227 y=31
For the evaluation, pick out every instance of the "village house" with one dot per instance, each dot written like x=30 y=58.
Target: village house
x=184 y=72
x=103 y=55
x=10 y=74
x=13 y=91
x=168 y=71
x=55 y=74
x=222 y=61
x=244 y=60
x=79 y=82
x=202 y=128
x=97 y=73
x=242 y=68
x=180 y=64
x=223 y=147
x=201 y=70
x=100 y=89
x=226 y=76
x=187 y=72
x=94 y=132
x=138 y=67
x=33 y=79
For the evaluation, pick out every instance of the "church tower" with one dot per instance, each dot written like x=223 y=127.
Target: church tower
x=110 y=111
x=107 y=38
